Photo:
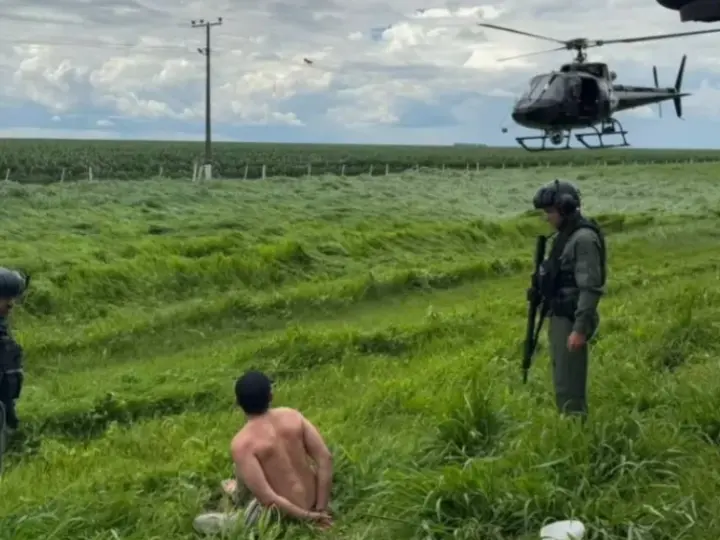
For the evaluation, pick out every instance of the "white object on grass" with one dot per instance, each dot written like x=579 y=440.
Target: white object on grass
x=215 y=523
x=563 y=530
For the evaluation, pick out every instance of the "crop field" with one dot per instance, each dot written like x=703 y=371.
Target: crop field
x=45 y=161
x=391 y=312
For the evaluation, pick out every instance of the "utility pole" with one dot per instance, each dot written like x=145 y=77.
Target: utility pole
x=206 y=51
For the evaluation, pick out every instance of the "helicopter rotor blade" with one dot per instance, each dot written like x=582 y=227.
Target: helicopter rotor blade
x=677 y=100
x=657 y=85
x=530 y=54
x=600 y=42
x=521 y=33
x=581 y=44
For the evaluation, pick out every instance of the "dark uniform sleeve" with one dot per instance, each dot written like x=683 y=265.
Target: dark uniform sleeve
x=589 y=279
x=11 y=377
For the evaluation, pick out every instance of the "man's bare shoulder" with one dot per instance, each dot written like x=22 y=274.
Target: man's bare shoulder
x=287 y=412
x=242 y=442
x=287 y=419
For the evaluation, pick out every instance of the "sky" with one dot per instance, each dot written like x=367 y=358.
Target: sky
x=388 y=72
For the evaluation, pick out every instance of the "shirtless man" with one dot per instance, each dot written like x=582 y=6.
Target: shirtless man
x=272 y=454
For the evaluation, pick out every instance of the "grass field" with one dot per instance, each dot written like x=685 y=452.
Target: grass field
x=391 y=312
x=45 y=161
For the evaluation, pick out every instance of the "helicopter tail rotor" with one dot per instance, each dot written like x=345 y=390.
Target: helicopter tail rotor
x=678 y=86
x=657 y=85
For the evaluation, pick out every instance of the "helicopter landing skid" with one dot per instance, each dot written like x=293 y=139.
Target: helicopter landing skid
x=561 y=140
x=609 y=127
x=556 y=140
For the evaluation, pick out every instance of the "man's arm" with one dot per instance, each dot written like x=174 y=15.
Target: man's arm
x=249 y=469
x=319 y=452
x=588 y=276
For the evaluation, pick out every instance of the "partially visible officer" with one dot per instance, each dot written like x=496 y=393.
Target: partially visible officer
x=12 y=285
x=571 y=282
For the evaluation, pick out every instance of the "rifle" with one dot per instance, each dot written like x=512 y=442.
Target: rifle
x=535 y=302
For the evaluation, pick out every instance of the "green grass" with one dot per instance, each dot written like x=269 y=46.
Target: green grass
x=391 y=312
x=45 y=161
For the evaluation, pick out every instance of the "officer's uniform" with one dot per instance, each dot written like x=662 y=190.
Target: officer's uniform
x=12 y=285
x=572 y=281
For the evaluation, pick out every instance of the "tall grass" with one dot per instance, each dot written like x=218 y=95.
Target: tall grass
x=390 y=311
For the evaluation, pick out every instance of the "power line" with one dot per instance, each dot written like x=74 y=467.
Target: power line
x=179 y=47
x=95 y=45
x=207 y=51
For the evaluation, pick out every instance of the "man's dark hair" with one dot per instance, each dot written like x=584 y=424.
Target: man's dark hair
x=253 y=392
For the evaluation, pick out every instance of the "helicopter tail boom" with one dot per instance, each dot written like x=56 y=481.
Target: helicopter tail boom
x=631 y=97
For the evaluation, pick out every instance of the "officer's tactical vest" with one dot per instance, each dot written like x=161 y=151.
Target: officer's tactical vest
x=552 y=277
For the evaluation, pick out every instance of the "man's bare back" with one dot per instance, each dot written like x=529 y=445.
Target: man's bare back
x=276 y=441
x=279 y=455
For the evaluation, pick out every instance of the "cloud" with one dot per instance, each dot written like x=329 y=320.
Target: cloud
x=643 y=112
x=92 y=134
x=706 y=99
x=391 y=64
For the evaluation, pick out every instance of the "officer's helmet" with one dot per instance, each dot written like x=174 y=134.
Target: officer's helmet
x=12 y=283
x=559 y=194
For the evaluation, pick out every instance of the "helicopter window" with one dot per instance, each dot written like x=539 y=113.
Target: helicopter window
x=537 y=85
x=545 y=87
x=595 y=70
x=555 y=88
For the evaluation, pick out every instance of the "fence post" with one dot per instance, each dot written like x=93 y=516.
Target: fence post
x=342 y=170
x=7 y=175
x=62 y=175
x=90 y=174
x=246 y=171
x=309 y=169
x=264 y=171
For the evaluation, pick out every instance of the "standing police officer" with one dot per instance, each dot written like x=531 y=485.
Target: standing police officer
x=12 y=286
x=571 y=282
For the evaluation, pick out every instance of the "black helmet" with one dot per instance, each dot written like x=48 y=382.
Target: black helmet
x=563 y=196
x=12 y=283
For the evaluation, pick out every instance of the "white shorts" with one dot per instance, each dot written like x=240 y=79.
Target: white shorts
x=220 y=522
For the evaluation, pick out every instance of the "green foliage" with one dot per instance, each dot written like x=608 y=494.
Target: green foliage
x=43 y=161
x=390 y=311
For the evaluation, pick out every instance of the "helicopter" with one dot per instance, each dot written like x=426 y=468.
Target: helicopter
x=694 y=10
x=583 y=95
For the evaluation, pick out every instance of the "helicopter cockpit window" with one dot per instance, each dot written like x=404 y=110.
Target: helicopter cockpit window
x=555 y=88
x=545 y=87
x=537 y=85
